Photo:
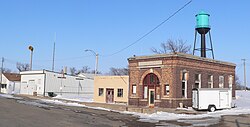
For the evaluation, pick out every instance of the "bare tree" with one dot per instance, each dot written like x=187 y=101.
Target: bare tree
x=118 y=71
x=73 y=71
x=22 y=66
x=6 y=70
x=173 y=47
x=85 y=69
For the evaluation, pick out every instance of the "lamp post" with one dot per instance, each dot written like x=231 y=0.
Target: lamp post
x=31 y=55
x=96 y=59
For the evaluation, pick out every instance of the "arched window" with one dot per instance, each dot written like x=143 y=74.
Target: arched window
x=151 y=79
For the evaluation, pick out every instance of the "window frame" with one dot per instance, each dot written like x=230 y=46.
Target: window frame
x=120 y=92
x=133 y=89
x=166 y=91
x=100 y=91
x=221 y=84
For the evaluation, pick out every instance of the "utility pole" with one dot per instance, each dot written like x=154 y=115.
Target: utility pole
x=54 y=49
x=245 y=80
x=96 y=59
x=1 y=74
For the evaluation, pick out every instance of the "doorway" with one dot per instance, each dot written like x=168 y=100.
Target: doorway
x=109 y=95
x=151 y=100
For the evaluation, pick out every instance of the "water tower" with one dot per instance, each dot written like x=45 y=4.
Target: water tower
x=203 y=27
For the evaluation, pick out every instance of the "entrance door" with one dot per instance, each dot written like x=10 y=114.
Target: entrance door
x=109 y=95
x=151 y=97
x=224 y=99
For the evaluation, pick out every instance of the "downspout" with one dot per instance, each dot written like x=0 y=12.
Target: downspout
x=44 y=83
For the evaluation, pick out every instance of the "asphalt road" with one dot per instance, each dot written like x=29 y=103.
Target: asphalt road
x=28 y=112
x=14 y=114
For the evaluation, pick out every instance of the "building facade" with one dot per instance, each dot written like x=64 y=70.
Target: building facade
x=111 y=89
x=10 y=83
x=46 y=82
x=167 y=80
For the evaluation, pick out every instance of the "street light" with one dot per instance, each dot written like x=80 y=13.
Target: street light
x=31 y=54
x=96 y=59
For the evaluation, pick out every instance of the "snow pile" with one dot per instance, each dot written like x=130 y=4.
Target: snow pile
x=242 y=102
x=58 y=102
x=74 y=98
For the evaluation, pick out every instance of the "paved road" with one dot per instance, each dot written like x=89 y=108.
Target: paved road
x=14 y=114
x=23 y=113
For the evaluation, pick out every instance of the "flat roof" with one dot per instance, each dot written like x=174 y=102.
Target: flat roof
x=182 y=55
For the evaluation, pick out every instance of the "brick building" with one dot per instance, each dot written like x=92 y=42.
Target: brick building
x=166 y=80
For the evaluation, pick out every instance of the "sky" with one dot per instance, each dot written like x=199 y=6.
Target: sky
x=109 y=26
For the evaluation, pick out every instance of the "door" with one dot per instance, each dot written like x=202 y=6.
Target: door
x=109 y=95
x=224 y=99
x=151 y=97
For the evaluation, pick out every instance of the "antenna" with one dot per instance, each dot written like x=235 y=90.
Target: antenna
x=54 y=49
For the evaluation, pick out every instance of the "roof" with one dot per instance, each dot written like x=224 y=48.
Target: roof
x=182 y=55
x=12 y=76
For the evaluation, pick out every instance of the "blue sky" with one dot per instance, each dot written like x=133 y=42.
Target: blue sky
x=108 y=26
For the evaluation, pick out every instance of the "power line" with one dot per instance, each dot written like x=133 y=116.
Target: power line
x=150 y=30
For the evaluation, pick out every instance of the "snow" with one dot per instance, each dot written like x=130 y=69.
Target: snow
x=242 y=102
x=74 y=98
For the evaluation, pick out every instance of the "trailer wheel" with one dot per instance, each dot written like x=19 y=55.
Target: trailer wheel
x=211 y=108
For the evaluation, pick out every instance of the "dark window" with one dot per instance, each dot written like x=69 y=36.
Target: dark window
x=4 y=86
x=196 y=85
x=100 y=91
x=183 y=89
x=120 y=93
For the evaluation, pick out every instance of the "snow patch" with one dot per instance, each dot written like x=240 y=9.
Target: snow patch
x=74 y=98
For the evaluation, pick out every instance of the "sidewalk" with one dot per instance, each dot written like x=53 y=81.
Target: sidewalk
x=122 y=107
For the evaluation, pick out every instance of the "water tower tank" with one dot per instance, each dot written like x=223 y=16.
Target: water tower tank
x=202 y=20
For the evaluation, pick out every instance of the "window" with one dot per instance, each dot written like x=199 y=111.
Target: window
x=133 y=89
x=221 y=81
x=230 y=81
x=166 y=92
x=210 y=81
x=120 y=93
x=197 y=83
x=4 y=86
x=100 y=91
x=184 y=84
x=183 y=89
x=145 y=92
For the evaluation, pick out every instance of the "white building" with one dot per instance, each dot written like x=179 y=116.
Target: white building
x=46 y=83
x=10 y=83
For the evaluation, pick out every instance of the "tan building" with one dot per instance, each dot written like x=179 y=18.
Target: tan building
x=167 y=80
x=111 y=89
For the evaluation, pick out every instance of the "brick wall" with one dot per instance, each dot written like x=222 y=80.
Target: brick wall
x=170 y=73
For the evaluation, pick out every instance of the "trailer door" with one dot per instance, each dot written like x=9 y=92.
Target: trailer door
x=224 y=99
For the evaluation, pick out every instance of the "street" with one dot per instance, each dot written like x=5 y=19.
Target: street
x=26 y=112
x=15 y=114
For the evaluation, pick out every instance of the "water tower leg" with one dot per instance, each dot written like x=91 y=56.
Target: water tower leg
x=203 y=45
x=195 y=34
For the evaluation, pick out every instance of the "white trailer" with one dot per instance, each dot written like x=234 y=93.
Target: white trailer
x=211 y=98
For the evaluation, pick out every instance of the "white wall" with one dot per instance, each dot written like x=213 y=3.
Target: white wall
x=65 y=85
x=12 y=87
x=32 y=83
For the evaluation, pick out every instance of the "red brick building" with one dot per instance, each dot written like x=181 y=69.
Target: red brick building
x=166 y=80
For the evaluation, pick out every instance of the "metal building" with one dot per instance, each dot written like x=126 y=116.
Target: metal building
x=48 y=83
